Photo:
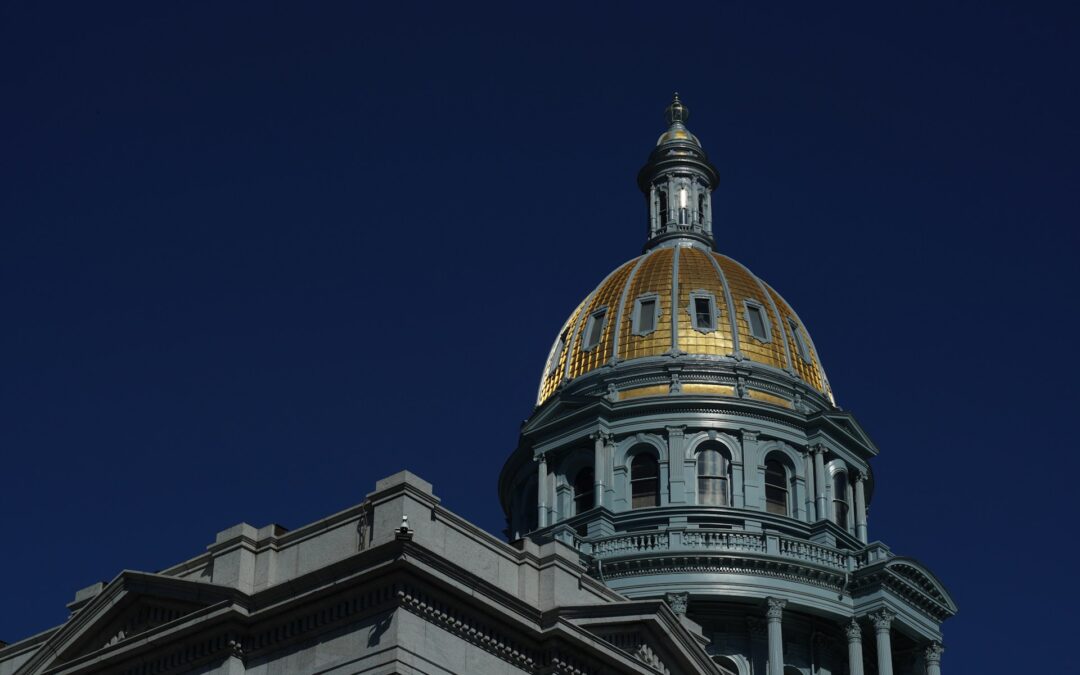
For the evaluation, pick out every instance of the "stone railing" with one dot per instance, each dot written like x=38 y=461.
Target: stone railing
x=622 y=546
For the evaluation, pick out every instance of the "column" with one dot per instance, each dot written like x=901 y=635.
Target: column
x=609 y=470
x=775 y=614
x=860 y=507
x=854 y=647
x=933 y=658
x=882 y=620
x=819 y=481
x=811 y=490
x=541 y=491
x=598 y=468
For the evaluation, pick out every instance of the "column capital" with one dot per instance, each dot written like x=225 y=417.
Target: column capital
x=859 y=476
x=775 y=608
x=882 y=619
x=933 y=653
x=541 y=458
x=817 y=449
x=601 y=435
x=677 y=601
x=676 y=431
x=748 y=435
x=853 y=631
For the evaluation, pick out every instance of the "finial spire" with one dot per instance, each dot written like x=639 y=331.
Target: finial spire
x=676 y=113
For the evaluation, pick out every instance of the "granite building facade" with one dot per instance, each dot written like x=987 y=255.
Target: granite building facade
x=685 y=498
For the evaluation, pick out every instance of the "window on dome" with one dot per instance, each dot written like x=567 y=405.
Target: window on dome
x=755 y=317
x=703 y=312
x=800 y=344
x=584 y=490
x=594 y=329
x=713 y=478
x=701 y=208
x=645 y=315
x=840 y=499
x=776 y=488
x=644 y=481
x=553 y=357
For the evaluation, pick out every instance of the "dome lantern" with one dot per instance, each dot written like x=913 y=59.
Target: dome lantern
x=677 y=181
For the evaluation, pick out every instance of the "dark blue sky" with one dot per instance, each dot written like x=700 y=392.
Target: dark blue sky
x=254 y=257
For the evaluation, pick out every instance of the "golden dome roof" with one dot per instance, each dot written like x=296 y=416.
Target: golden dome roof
x=683 y=273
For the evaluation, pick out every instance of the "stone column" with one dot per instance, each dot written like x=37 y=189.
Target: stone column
x=598 y=468
x=811 y=490
x=854 y=647
x=676 y=487
x=933 y=658
x=541 y=491
x=860 y=507
x=775 y=614
x=882 y=621
x=819 y=481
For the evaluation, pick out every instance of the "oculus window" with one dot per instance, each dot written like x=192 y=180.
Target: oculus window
x=703 y=311
x=756 y=319
x=594 y=329
x=644 y=481
x=800 y=343
x=646 y=314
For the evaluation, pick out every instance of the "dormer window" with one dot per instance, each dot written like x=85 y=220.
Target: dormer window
x=755 y=318
x=800 y=344
x=553 y=357
x=703 y=311
x=594 y=329
x=646 y=314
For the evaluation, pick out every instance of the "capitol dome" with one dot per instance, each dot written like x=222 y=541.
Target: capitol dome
x=724 y=314
x=680 y=304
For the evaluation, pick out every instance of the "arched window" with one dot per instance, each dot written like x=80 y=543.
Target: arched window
x=776 y=487
x=584 y=489
x=644 y=481
x=713 y=478
x=663 y=207
x=840 y=499
x=701 y=207
x=727 y=664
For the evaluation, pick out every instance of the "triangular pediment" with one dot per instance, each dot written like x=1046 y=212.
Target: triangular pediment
x=130 y=605
x=844 y=424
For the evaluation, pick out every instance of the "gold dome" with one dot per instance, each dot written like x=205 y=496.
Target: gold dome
x=685 y=272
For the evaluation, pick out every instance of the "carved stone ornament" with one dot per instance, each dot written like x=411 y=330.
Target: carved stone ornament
x=882 y=620
x=646 y=655
x=612 y=393
x=933 y=653
x=677 y=601
x=776 y=609
x=853 y=631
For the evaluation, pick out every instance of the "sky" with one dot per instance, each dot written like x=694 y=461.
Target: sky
x=255 y=256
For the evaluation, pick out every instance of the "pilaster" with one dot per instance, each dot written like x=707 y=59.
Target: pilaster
x=676 y=437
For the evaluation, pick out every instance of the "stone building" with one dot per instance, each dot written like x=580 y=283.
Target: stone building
x=686 y=498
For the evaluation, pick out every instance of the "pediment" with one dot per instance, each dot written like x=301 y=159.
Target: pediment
x=130 y=605
x=846 y=423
